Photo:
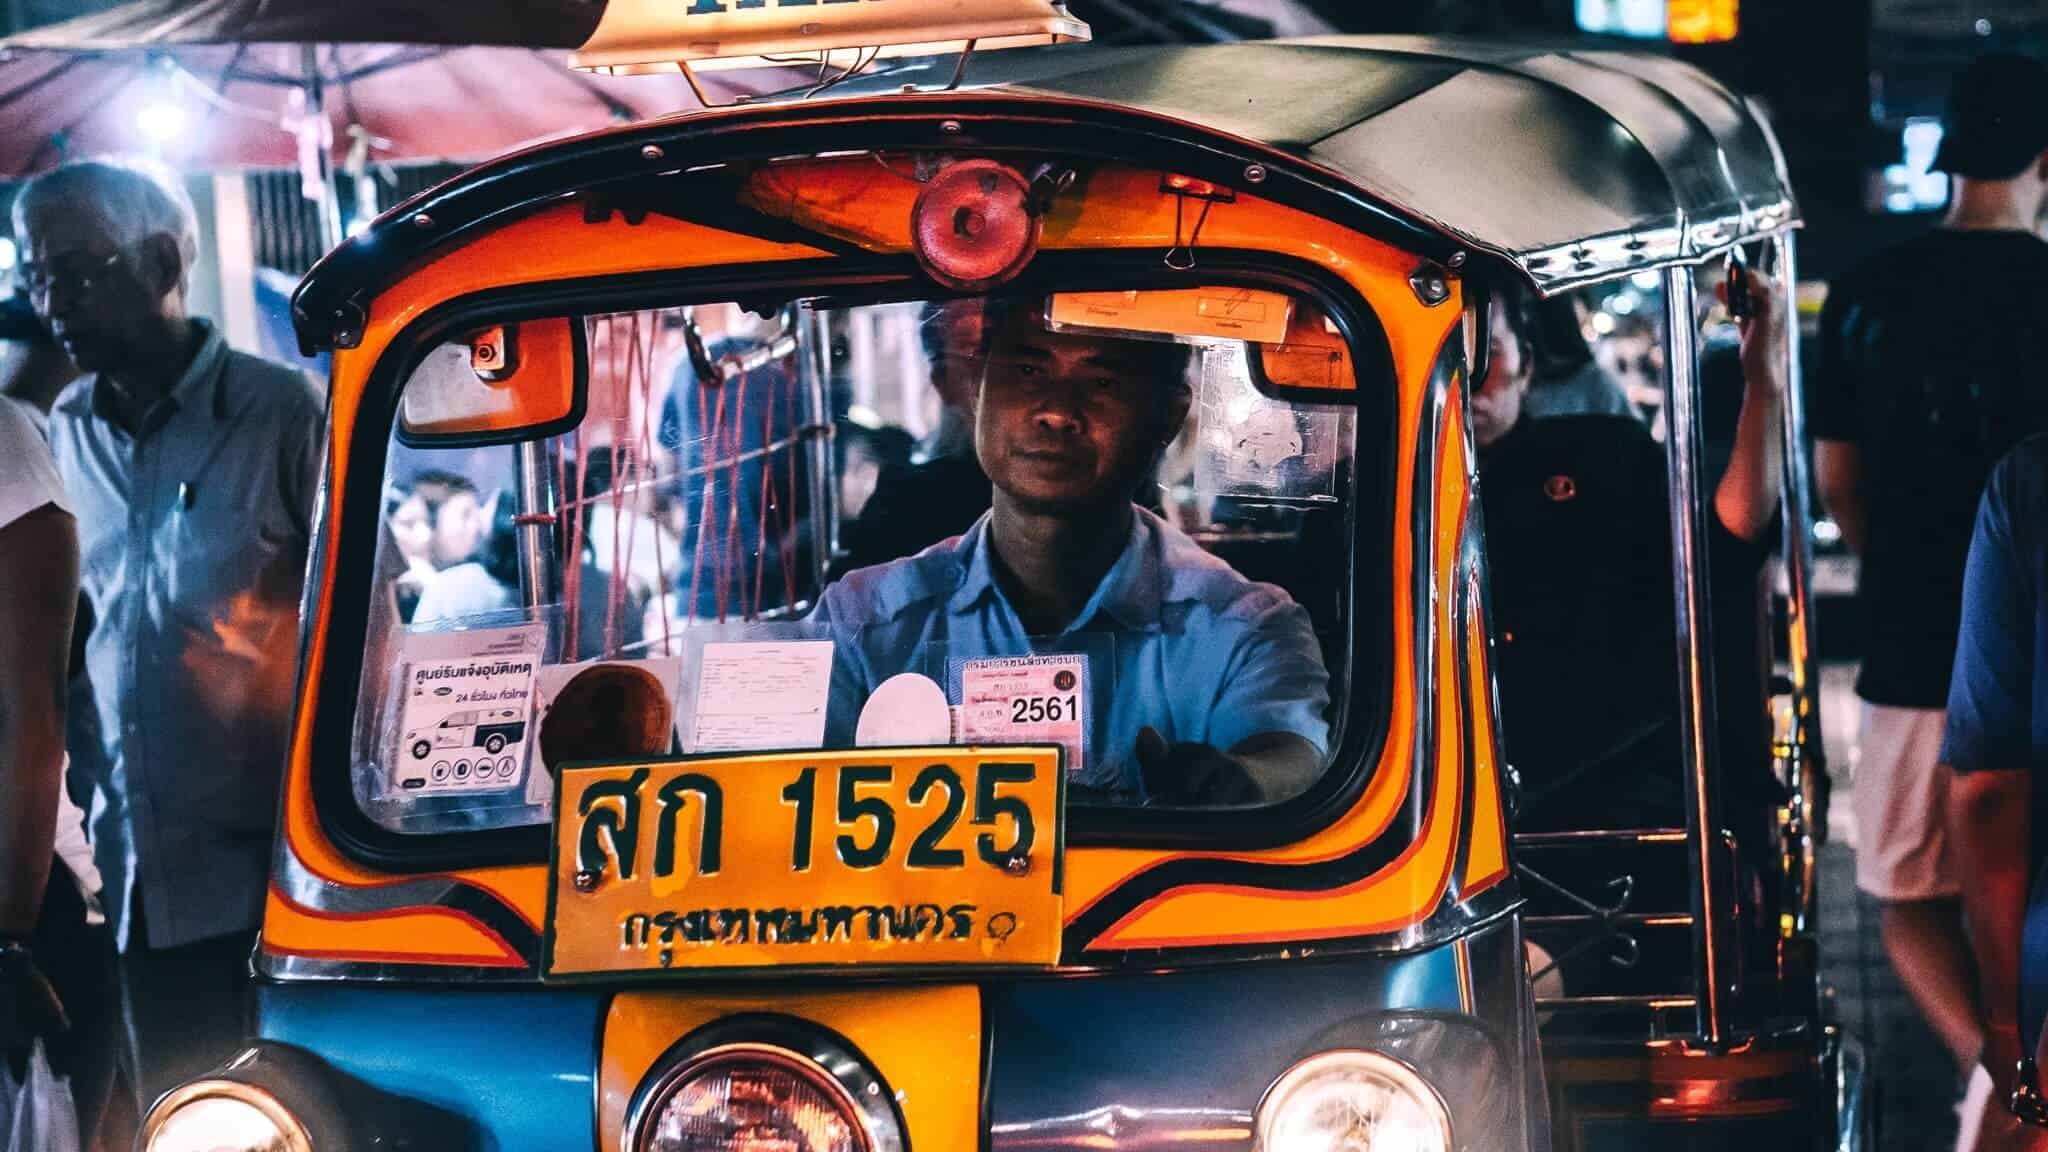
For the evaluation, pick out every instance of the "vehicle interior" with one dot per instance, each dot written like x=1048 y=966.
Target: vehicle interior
x=738 y=480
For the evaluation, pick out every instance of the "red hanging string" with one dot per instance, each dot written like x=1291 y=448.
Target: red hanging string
x=767 y=496
x=614 y=580
x=729 y=552
x=648 y=465
x=703 y=470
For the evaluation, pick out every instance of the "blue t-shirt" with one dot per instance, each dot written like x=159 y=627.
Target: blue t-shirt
x=1998 y=696
x=1174 y=638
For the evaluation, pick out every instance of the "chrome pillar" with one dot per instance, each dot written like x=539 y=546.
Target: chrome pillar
x=1689 y=509
x=538 y=578
x=1803 y=744
x=815 y=430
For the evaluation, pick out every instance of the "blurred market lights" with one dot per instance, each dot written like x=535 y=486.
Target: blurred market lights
x=161 y=121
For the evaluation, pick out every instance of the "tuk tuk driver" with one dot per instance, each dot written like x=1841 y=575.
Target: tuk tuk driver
x=1204 y=688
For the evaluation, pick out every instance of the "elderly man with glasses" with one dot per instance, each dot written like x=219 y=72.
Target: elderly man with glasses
x=191 y=470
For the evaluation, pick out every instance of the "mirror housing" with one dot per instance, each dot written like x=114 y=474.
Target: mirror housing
x=497 y=384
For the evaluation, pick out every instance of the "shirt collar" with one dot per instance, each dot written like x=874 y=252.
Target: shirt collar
x=1129 y=593
x=201 y=377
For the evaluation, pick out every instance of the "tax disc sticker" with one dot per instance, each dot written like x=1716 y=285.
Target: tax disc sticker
x=1026 y=700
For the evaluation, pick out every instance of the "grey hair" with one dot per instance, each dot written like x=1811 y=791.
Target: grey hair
x=139 y=198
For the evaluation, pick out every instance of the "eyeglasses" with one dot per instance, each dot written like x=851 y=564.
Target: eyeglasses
x=76 y=277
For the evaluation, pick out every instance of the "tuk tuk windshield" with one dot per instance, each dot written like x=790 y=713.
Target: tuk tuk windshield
x=1116 y=522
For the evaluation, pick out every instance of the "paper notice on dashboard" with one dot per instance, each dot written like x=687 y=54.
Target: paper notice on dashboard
x=761 y=695
x=1026 y=700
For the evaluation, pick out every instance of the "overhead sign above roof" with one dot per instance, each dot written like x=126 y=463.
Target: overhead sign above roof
x=662 y=35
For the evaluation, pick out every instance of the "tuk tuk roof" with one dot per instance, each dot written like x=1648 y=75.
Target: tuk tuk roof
x=1572 y=163
x=1575 y=161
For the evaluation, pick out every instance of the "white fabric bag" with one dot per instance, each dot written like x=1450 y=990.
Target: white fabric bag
x=36 y=1112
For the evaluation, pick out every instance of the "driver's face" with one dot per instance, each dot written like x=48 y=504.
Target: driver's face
x=1065 y=419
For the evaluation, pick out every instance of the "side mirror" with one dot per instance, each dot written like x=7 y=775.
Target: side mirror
x=497 y=384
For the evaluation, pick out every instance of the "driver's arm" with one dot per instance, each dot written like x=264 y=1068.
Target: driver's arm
x=1268 y=734
x=1989 y=744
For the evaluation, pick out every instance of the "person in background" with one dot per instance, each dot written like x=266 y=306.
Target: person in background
x=1578 y=532
x=1995 y=745
x=731 y=423
x=57 y=965
x=191 y=469
x=456 y=519
x=944 y=491
x=1932 y=364
x=33 y=369
x=1567 y=380
x=865 y=456
x=412 y=536
x=485 y=591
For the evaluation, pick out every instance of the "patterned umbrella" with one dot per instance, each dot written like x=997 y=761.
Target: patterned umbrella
x=222 y=83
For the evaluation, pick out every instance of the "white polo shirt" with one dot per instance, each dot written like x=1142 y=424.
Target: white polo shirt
x=28 y=481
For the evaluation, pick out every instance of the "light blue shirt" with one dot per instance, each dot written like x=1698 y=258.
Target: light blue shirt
x=1175 y=639
x=192 y=546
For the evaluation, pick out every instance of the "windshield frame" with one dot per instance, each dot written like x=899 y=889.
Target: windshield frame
x=1359 y=721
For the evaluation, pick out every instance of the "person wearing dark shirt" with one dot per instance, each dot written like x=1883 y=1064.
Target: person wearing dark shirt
x=1996 y=744
x=942 y=494
x=1930 y=368
x=1579 y=543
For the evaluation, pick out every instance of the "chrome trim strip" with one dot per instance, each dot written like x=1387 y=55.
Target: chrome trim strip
x=299 y=885
x=1600 y=835
x=1695 y=648
x=1806 y=756
x=1598 y=258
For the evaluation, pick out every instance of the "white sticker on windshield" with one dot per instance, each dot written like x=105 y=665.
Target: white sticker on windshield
x=467 y=721
x=1026 y=700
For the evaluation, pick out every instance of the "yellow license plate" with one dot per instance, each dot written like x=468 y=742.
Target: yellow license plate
x=938 y=856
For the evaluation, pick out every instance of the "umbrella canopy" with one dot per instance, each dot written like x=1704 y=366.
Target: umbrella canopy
x=160 y=23
x=223 y=83
x=225 y=106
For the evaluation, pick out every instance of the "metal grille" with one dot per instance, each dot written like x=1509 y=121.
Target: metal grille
x=286 y=225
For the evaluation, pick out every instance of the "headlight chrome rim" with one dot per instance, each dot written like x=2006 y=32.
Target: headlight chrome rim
x=1400 y=1072
x=817 y=1056
x=296 y=1136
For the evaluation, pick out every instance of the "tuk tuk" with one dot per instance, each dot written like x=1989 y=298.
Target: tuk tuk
x=984 y=563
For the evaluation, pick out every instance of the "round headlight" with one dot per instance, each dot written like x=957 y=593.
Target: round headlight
x=222 y=1116
x=749 y=1098
x=1352 y=1101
